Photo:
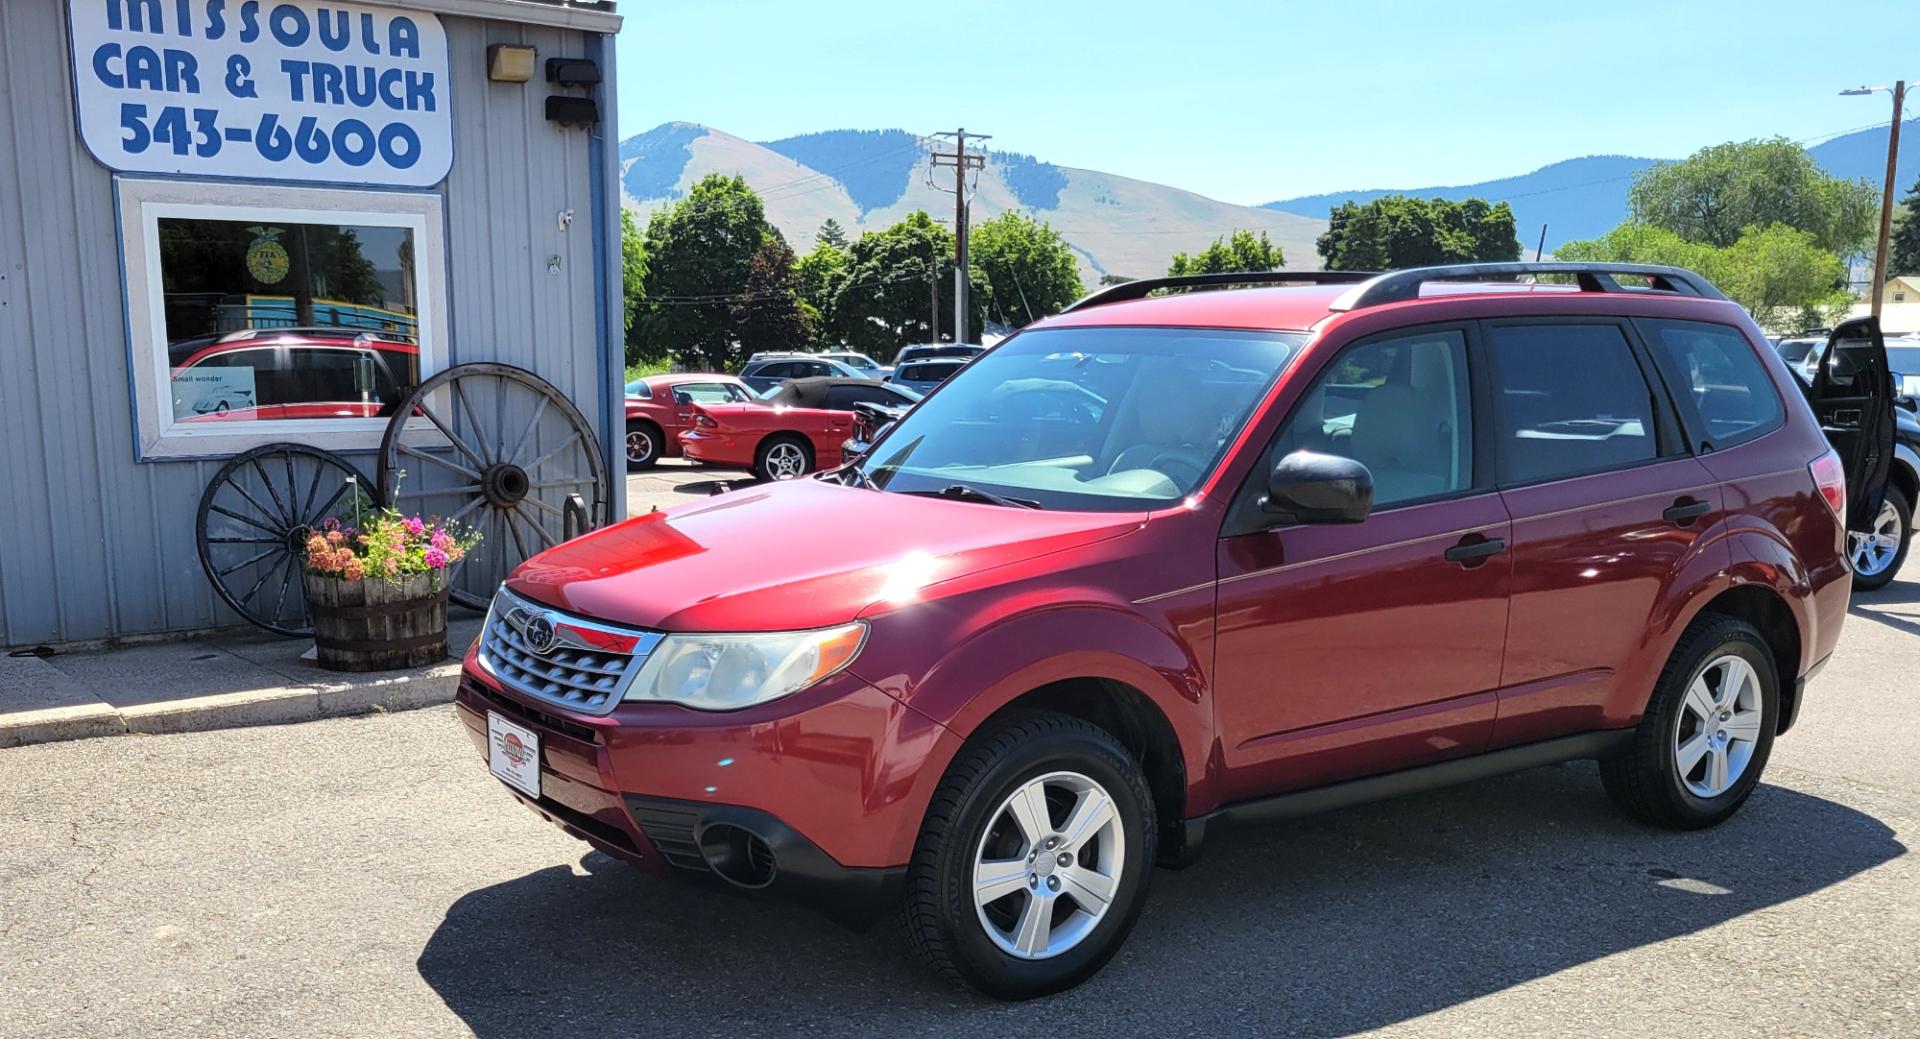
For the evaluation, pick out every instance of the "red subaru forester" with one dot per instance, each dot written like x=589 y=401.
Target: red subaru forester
x=1168 y=561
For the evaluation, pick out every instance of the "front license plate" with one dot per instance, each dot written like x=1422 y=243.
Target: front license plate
x=513 y=754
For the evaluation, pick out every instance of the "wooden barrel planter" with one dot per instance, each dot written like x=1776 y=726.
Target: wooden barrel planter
x=374 y=625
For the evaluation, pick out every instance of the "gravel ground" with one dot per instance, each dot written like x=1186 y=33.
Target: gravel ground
x=366 y=877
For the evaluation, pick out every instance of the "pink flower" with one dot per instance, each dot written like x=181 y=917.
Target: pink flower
x=436 y=559
x=442 y=540
x=415 y=526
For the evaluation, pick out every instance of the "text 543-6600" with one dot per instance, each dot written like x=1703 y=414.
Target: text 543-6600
x=198 y=130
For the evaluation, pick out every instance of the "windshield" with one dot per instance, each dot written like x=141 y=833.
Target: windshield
x=861 y=361
x=1089 y=419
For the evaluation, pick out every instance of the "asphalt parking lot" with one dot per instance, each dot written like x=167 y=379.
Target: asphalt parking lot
x=674 y=481
x=366 y=877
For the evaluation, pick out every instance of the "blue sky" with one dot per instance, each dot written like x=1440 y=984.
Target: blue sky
x=1249 y=102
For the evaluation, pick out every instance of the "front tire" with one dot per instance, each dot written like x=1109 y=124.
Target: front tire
x=1033 y=862
x=1877 y=554
x=1707 y=731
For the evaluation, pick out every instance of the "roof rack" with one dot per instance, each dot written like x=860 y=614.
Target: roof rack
x=1400 y=286
x=1141 y=288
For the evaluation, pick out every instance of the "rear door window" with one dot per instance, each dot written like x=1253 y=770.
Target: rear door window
x=1568 y=399
x=1724 y=393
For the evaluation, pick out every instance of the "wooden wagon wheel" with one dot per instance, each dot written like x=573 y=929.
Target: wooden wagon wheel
x=504 y=452
x=254 y=520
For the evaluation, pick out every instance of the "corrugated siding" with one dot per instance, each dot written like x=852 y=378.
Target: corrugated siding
x=96 y=545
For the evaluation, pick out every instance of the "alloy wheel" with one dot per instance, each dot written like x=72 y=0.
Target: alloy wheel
x=1875 y=550
x=1048 y=865
x=1718 y=726
x=639 y=445
x=785 y=461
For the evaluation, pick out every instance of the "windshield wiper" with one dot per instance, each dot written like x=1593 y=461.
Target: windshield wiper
x=858 y=476
x=964 y=492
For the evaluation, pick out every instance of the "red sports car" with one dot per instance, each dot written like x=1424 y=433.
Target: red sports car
x=660 y=406
x=793 y=432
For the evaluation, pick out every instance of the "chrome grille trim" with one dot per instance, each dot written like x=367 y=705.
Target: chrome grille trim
x=573 y=674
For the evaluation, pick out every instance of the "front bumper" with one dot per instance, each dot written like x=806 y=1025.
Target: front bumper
x=818 y=803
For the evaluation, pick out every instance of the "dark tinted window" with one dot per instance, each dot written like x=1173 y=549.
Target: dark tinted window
x=775 y=370
x=928 y=372
x=843 y=398
x=1401 y=407
x=1716 y=379
x=1570 y=399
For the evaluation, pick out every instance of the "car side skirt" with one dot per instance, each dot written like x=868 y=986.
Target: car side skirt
x=1295 y=804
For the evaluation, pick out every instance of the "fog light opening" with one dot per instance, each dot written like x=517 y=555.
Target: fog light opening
x=739 y=857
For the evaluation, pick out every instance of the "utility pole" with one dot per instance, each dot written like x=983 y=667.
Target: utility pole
x=1899 y=93
x=961 y=163
x=1886 y=200
x=933 y=289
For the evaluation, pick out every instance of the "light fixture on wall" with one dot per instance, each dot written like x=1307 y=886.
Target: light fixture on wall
x=509 y=63
x=573 y=72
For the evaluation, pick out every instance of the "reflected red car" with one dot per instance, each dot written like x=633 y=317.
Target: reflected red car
x=798 y=430
x=256 y=375
x=659 y=407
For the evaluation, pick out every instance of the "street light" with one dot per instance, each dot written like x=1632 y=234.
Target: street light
x=1899 y=92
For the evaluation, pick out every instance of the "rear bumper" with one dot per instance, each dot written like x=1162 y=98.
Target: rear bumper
x=819 y=806
x=713 y=449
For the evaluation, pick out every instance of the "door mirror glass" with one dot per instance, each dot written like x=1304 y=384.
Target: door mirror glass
x=1309 y=487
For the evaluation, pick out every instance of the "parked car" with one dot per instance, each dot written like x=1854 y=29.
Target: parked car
x=859 y=362
x=1801 y=352
x=797 y=430
x=291 y=373
x=660 y=406
x=928 y=351
x=1318 y=545
x=923 y=376
x=1878 y=549
x=1903 y=356
x=766 y=372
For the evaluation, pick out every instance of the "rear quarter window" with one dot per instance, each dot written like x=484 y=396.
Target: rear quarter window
x=1723 y=391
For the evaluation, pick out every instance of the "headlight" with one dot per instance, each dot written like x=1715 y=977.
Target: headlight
x=726 y=672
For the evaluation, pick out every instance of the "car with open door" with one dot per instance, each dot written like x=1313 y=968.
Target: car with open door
x=659 y=407
x=1193 y=553
x=799 y=429
x=1852 y=391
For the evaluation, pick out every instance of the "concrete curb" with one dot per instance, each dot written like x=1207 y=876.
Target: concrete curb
x=270 y=706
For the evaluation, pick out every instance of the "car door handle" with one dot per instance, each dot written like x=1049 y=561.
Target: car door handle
x=1474 y=551
x=1686 y=510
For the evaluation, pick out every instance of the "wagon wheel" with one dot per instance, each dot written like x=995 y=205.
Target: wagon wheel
x=254 y=520
x=504 y=452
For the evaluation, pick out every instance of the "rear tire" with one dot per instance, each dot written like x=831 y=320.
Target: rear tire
x=643 y=446
x=1047 y=929
x=1875 y=565
x=783 y=457
x=1707 y=731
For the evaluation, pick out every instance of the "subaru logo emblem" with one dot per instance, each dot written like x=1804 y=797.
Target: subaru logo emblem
x=539 y=634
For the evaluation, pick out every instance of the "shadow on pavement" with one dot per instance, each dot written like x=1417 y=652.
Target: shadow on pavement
x=1329 y=925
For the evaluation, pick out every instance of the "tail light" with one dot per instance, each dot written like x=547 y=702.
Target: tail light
x=704 y=420
x=1831 y=477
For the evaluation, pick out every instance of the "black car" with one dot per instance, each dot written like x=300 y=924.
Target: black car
x=1852 y=351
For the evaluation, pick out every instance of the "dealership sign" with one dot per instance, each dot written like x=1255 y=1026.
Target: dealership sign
x=287 y=90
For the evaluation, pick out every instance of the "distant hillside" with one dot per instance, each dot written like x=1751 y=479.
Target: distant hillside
x=1582 y=198
x=868 y=179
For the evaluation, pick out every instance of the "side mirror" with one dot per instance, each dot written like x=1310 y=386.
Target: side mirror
x=1309 y=487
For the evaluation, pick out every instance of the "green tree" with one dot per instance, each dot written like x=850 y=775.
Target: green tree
x=705 y=255
x=883 y=301
x=1028 y=270
x=633 y=276
x=821 y=272
x=1718 y=193
x=1903 y=256
x=1784 y=276
x=1398 y=231
x=1241 y=251
x=831 y=234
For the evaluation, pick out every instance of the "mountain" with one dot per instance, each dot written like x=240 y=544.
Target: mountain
x=869 y=179
x=1586 y=197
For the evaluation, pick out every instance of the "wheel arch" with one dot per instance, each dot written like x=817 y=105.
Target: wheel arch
x=660 y=445
x=1770 y=613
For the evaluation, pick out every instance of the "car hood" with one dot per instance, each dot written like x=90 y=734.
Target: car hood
x=802 y=554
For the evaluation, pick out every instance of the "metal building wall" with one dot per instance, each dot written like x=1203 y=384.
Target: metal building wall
x=96 y=545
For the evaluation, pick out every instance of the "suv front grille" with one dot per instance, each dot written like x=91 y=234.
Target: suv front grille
x=564 y=660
